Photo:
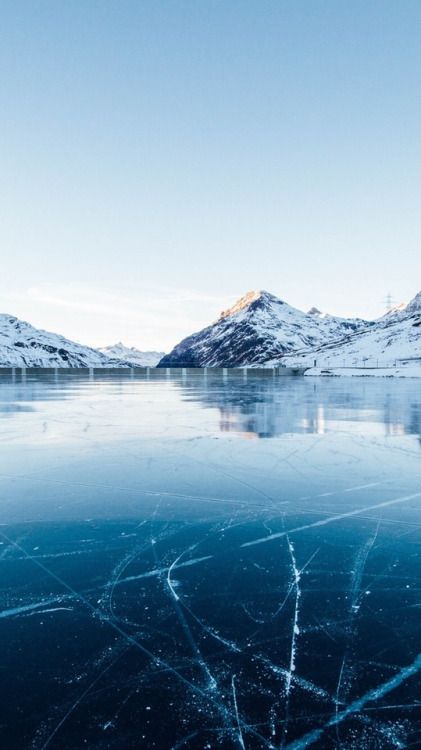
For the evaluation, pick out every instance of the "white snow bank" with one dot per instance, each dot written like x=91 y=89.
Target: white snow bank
x=410 y=371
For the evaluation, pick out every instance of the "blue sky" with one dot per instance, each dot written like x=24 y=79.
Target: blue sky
x=160 y=159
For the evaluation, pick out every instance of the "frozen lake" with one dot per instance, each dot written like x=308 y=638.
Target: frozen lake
x=194 y=559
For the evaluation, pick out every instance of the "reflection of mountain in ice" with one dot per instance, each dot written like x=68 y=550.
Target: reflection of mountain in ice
x=257 y=406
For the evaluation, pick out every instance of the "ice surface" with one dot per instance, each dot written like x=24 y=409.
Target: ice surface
x=209 y=559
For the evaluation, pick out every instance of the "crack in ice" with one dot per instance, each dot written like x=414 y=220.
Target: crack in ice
x=332 y=519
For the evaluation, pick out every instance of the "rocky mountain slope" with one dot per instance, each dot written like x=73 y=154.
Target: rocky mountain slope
x=257 y=329
x=22 y=345
x=133 y=356
x=393 y=339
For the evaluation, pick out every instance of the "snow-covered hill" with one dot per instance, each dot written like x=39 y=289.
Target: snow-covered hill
x=257 y=329
x=391 y=340
x=133 y=356
x=22 y=345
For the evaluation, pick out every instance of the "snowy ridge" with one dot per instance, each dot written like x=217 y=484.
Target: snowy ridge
x=414 y=305
x=391 y=341
x=22 y=345
x=133 y=356
x=258 y=329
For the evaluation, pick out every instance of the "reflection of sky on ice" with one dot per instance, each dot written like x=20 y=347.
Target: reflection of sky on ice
x=166 y=583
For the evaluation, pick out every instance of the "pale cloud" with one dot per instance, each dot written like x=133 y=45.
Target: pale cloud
x=147 y=316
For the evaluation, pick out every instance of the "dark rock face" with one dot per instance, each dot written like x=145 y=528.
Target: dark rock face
x=258 y=329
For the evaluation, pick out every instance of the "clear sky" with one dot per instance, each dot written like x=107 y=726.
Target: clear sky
x=160 y=159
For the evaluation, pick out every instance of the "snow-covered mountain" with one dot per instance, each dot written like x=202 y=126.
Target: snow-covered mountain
x=22 y=345
x=133 y=356
x=394 y=338
x=414 y=306
x=259 y=328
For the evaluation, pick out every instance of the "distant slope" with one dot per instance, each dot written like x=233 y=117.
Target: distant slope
x=133 y=356
x=391 y=339
x=257 y=329
x=22 y=345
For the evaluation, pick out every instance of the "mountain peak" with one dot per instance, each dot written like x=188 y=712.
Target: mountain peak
x=259 y=328
x=131 y=355
x=415 y=304
x=314 y=311
x=247 y=300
